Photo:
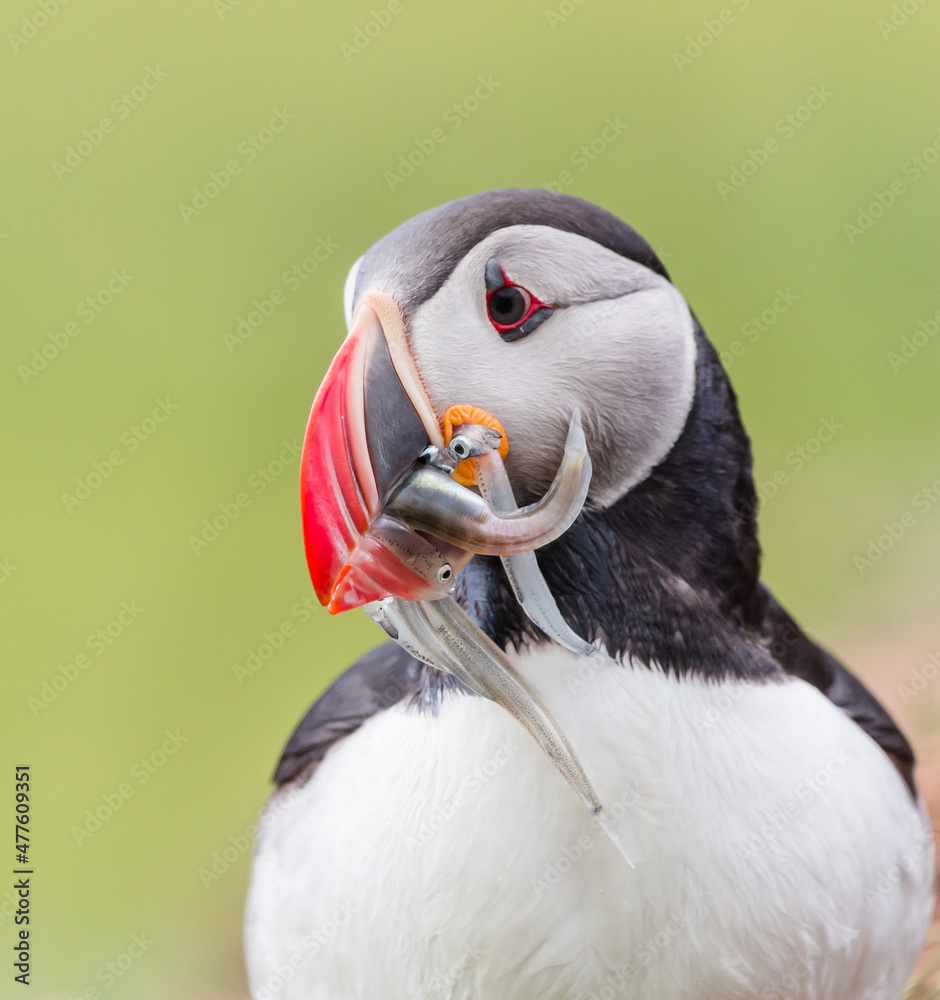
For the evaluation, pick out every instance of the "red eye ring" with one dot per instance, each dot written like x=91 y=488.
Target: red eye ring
x=510 y=306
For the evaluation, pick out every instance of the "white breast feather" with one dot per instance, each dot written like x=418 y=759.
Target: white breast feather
x=777 y=851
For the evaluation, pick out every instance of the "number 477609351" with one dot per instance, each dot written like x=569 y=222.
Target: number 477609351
x=22 y=807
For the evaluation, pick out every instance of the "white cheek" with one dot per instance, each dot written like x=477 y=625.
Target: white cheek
x=628 y=364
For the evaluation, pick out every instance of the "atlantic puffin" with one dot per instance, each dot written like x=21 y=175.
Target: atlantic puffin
x=420 y=843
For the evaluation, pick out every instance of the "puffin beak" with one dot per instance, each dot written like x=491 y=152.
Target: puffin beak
x=363 y=437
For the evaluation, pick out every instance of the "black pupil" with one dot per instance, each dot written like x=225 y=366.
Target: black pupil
x=507 y=305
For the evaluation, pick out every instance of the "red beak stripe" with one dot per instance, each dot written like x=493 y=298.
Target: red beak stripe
x=337 y=488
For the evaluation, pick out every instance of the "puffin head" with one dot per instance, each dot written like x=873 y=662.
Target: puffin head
x=534 y=308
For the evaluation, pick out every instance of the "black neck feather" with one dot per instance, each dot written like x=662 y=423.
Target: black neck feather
x=670 y=573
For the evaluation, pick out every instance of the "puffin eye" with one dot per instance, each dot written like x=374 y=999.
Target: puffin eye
x=508 y=305
x=513 y=310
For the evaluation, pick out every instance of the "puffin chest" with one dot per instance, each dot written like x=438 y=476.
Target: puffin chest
x=468 y=861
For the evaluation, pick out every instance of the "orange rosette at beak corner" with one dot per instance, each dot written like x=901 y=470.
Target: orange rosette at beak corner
x=464 y=413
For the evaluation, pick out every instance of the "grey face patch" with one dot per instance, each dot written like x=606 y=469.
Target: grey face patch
x=618 y=345
x=413 y=261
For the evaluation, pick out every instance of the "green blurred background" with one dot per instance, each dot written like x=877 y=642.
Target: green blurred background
x=688 y=112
